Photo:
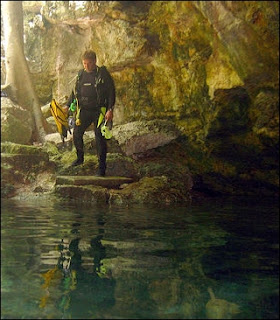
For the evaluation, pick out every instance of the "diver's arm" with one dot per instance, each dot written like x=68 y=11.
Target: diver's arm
x=111 y=92
x=111 y=96
x=70 y=99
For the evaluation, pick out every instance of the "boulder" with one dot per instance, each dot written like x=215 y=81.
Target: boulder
x=140 y=136
x=92 y=194
x=264 y=115
x=153 y=190
x=25 y=168
x=117 y=164
x=16 y=122
x=105 y=182
x=46 y=110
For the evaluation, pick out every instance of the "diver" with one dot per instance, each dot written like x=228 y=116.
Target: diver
x=94 y=90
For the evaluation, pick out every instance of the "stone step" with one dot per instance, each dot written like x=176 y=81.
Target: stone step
x=106 y=182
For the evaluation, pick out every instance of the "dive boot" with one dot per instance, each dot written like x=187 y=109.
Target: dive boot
x=100 y=173
x=77 y=162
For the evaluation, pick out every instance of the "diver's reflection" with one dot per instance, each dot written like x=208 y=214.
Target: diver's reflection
x=86 y=292
x=97 y=251
x=92 y=291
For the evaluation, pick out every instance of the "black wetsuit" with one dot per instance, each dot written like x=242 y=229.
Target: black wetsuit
x=93 y=90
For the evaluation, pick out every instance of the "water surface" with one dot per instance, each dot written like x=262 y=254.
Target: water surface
x=64 y=260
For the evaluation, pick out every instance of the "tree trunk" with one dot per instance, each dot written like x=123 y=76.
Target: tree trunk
x=18 y=84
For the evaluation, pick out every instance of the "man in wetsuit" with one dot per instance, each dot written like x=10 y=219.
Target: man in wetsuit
x=94 y=89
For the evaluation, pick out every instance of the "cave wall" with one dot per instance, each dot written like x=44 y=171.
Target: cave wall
x=169 y=59
x=212 y=67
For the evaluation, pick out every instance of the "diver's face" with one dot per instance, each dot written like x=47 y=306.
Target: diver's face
x=89 y=65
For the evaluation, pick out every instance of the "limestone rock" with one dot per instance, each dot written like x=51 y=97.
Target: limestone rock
x=106 y=182
x=16 y=122
x=46 y=110
x=140 y=136
x=93 y=194
x=211 y=68
x=265 y=115
x=156 y=190
x=25 y=168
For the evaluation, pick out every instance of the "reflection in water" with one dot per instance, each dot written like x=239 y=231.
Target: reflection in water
x=218 y=261
x=85 y=293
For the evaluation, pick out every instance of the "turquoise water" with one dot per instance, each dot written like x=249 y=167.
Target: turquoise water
x=71 y=261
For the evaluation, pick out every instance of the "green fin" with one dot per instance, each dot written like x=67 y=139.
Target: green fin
x=101 y=116
x=106 y=132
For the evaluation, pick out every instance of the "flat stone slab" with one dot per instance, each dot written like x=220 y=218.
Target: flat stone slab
x=106 y=182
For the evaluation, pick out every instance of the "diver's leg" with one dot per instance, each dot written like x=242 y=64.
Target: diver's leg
x=101 y=148
x=78 y=136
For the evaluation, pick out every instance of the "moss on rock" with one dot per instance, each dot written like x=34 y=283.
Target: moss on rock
x=148 y=190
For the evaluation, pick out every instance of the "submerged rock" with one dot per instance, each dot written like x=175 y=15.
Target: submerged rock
x=220 y=308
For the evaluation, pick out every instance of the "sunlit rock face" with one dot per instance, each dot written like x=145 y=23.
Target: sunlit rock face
x=210 y=67
x=167 y=58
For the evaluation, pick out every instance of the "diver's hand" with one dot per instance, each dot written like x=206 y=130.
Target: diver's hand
x=109 y=115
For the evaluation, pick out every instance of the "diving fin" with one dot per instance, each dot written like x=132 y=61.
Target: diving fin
x=101 y=116
x=61 y=119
